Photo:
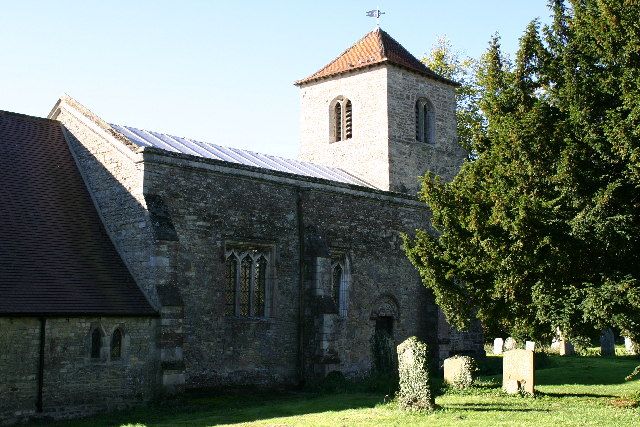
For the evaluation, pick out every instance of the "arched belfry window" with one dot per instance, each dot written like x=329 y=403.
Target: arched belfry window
x=341 y=119
x=116 y=344
x=96 y=343
x=425 y=121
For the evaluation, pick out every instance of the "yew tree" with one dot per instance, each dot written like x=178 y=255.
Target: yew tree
x=541 y=227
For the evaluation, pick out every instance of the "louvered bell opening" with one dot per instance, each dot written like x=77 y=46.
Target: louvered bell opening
x=338 y=121
x=348 y=121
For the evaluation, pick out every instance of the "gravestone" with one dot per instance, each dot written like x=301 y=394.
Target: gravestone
x=631 y=347
x=607 y=343
x=498 y=344
x=565 y=348
x=459 y=371
x=518 y=372
x=415 y=392
x=510 y=344
x=530 y=345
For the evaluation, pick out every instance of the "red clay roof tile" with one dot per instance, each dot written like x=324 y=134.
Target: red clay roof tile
x=374 y=48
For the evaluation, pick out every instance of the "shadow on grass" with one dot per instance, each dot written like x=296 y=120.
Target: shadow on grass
x=577 y=395
x=587 y=370
x=491 y=407
x=206 y=410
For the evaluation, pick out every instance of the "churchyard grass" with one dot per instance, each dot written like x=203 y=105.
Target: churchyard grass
x=571 y=391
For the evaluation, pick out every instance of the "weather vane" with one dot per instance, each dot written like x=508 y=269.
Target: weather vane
x=375 y=13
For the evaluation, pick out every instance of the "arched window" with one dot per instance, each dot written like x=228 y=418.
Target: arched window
x=116 y=344
x=96 y=343
x=336 y=280
x=247 y=282
x=425 y=121
x=341 y=119
x=340 y=278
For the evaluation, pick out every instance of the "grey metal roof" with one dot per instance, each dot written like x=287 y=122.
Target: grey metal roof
x=176 y=144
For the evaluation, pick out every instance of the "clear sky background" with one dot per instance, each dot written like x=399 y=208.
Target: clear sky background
x=216 y=71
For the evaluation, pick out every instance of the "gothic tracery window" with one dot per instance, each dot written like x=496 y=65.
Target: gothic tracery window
x=247 y=281
x=341 y=118
x=425 y=121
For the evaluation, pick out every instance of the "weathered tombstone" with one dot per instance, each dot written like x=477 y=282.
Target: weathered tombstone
x=518 y=372
x=510 y=343
x=530 y=345
x=415 y=392
x=631 y=347
x=498 y=344
x=565 y=348
x=459 y=371
x=607 y=343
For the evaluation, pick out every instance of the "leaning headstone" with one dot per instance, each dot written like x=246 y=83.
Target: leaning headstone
x=607 y=343
x=631 y=347
x=415 y=392
x=510 y=344
x=518 y=372
x=530 y=345
x=459 y=371
x=498 y=345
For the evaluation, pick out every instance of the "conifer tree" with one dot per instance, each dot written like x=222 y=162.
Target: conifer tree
x=541 y=229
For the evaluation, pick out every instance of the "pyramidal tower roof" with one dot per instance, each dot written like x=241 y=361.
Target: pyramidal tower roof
x=376 y=47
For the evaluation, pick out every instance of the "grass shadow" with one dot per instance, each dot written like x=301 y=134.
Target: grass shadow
x=201 y=409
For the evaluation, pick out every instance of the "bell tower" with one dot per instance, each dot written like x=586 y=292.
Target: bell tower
x=380 y=114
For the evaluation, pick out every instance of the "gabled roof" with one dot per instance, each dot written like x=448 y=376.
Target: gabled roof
x=376 y=47
x=55 y=256
x=176 y=144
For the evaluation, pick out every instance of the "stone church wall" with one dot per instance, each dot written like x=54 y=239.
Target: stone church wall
x=213 y=210
x=113 y=173
x=366 y=154
x=73 y=383
x=409 y=158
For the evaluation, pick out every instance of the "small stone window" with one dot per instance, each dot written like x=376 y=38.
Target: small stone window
x=425 y=121
x=340 y=278
x=341 y=119
x=116 y=344
x=247 y=283
x=96 y=343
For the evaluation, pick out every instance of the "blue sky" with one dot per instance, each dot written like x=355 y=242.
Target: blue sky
x=216 y=71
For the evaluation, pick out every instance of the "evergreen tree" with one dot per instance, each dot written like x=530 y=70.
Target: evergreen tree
x=542 y=228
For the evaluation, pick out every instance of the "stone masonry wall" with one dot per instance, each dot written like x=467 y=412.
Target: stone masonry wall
x=381 y=274
x=212 y=210
x=74 y=383
x=366 y=154
x=114 y=175
x=409 y=158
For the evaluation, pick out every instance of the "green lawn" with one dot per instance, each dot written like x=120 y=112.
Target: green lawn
x=574 y=391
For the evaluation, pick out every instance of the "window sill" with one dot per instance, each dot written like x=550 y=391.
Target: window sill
x=248 y=319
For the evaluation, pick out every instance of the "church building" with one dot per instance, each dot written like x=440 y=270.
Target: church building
x=136 y=263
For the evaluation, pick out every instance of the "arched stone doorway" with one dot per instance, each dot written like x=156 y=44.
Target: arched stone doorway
x=383 y=346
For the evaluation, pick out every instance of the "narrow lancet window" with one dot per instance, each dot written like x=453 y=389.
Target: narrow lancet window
x=245 y=282
x=260 y=286
x=230 y=290
x=96 y=343
x=116 y=344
